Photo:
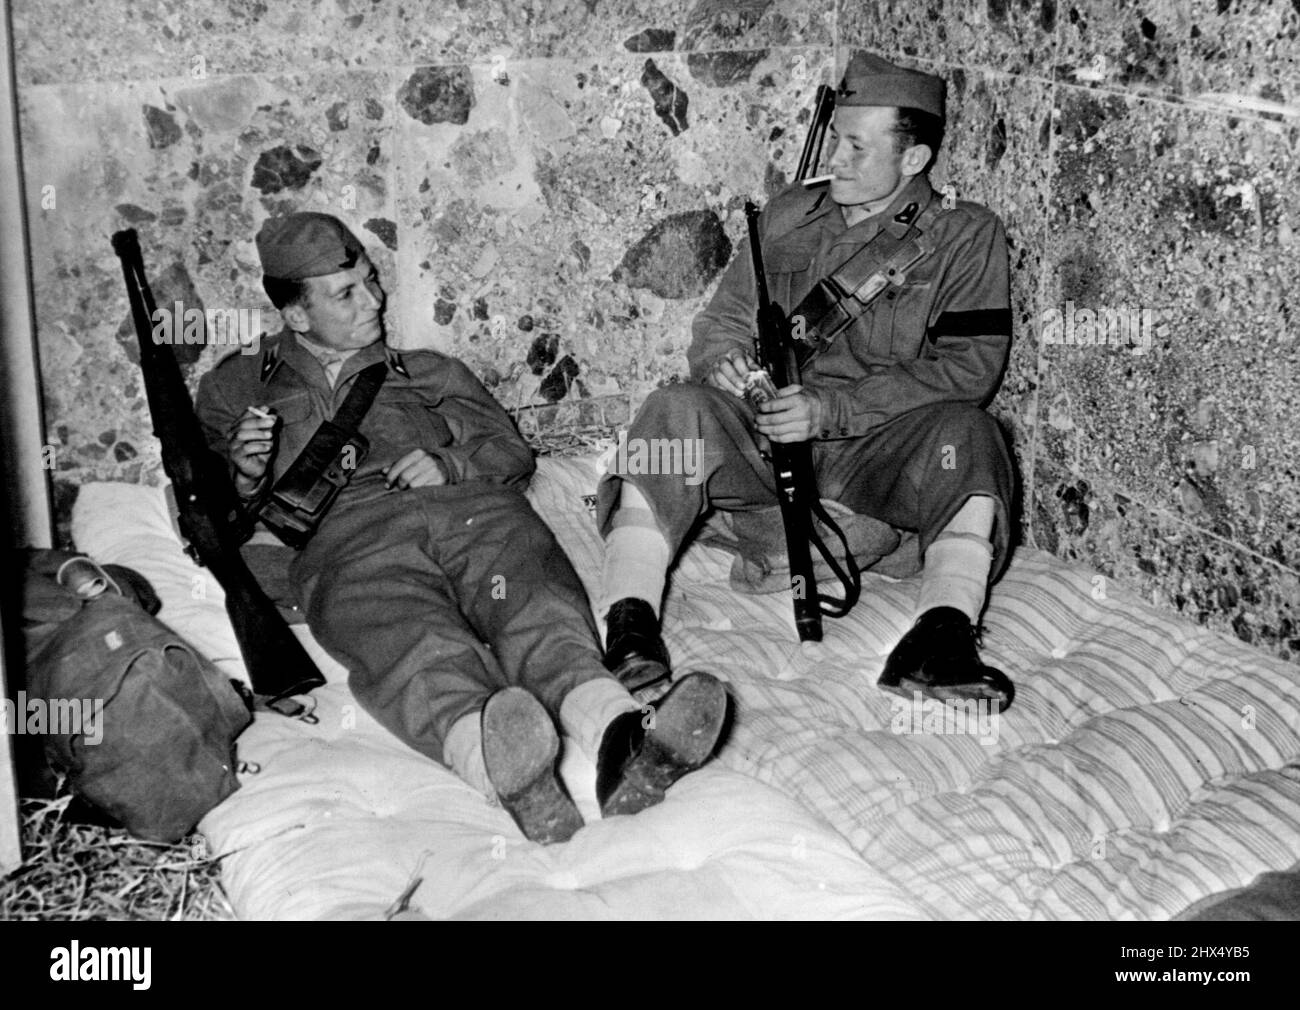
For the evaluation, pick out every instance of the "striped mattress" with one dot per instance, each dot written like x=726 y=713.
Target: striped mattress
x=1146 y=764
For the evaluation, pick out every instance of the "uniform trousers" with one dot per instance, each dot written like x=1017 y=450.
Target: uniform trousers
x=436 y=597
x=913 y=472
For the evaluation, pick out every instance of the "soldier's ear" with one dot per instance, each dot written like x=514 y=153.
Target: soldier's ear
x=915 y=158
x=295 y=317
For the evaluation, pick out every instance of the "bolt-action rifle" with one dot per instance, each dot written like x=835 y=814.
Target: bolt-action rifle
x=792 y=466
x=212 y=520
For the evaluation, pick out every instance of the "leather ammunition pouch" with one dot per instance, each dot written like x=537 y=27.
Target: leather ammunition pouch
x=298 y=502
x=300 y=499
x=838 y=301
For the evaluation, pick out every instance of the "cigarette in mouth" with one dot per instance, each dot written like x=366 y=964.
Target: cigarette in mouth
x=819 y=179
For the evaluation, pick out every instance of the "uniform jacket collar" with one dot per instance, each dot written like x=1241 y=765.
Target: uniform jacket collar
x=896 y=218
x=822 y=206
x=302 y=361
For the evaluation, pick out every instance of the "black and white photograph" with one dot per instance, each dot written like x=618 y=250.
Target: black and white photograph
x=788 y=461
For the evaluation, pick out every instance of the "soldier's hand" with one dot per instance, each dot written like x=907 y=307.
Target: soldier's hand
x=728 y=374
x=252 y=441
x=416 y=469
x=795 y=415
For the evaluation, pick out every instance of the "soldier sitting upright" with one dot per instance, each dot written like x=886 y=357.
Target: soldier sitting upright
x=893 y=405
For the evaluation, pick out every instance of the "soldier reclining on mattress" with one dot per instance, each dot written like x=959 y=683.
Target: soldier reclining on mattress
x=464 y=627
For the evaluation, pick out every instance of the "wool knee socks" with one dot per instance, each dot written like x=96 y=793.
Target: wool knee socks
x=958 y=562
x=636 y=554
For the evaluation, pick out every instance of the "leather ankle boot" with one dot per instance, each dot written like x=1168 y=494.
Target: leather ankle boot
x=938 y=658
x=520 y=747
x=634 y=650
x=643 y=753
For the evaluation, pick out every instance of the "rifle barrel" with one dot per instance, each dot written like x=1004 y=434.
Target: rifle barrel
x=812 y=145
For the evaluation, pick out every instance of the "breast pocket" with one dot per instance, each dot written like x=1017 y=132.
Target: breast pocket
x=909 y=309
x=405 y=420
x=789 y=275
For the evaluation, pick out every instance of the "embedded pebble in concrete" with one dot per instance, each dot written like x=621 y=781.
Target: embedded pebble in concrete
x=678 y=257
x=438 y=95
x=283 y=167
x=670 y=101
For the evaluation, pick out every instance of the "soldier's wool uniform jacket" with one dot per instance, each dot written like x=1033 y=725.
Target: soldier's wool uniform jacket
x=439 y=407
x=400 y=585
x=941 y=336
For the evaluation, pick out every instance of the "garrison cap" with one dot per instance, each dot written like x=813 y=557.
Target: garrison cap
x=870 y=80
x=307 y=244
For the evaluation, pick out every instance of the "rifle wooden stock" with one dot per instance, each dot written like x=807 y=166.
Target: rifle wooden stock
x=212 y=519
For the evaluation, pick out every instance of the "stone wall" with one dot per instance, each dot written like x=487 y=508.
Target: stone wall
x=550 y=189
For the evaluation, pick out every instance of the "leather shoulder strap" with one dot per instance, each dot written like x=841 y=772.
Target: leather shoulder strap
x=360 y=396
x=841 y=298
x=887 y=255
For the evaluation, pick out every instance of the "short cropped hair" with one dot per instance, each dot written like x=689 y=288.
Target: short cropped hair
x=915 y=126
x=284 y=292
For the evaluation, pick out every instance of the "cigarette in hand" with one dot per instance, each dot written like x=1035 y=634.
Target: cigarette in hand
x=264 y=414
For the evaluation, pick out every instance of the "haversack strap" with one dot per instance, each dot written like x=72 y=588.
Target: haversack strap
x=361 y=396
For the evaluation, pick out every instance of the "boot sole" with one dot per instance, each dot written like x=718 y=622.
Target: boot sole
x=520 y=747
x=686 y=727
x=993 y=687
